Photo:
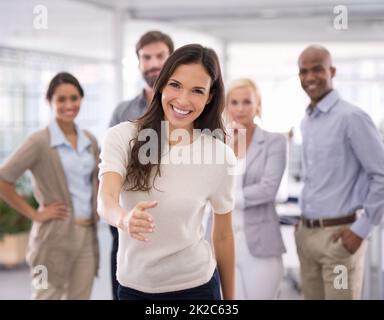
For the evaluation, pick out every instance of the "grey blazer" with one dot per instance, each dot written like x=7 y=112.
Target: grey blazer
x=265 y=164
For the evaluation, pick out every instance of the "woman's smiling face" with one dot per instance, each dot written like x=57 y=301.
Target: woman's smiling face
x=66 y=102
x=243 y=105
x=185 y=95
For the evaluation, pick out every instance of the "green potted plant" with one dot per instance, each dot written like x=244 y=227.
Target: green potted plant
x=14 y=228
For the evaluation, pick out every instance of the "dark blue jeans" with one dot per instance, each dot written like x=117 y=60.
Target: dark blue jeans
x=115 y=246
x=207 y=291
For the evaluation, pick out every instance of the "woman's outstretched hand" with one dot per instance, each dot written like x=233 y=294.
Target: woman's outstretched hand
x=138 y=222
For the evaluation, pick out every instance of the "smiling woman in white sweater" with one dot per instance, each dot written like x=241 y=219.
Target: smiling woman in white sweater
x=155 y=190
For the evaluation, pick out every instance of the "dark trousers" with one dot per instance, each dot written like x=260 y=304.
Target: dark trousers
x=207 y=291
x=115 y=246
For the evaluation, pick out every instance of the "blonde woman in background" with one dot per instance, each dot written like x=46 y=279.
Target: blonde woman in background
x=259 y=244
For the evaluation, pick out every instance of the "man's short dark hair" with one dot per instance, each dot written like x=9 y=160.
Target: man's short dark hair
x=154 y=36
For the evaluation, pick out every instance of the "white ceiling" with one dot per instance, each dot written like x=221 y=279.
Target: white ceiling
x=260 y=20
x=86 y=27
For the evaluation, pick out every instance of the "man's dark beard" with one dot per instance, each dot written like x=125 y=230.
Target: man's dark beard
x=150 y=80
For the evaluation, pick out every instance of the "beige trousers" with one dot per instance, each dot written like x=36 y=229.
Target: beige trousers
x=81 y=276
x=328 y=270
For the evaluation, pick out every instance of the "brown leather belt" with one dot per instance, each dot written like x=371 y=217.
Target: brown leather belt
x=84 y=222
x=321 y=223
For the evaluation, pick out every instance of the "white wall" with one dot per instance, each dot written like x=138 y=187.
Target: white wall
x=73 y=28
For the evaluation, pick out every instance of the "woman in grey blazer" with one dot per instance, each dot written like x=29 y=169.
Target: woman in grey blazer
x=259 y=244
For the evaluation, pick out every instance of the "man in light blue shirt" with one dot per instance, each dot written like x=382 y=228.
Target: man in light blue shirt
x=343 y=195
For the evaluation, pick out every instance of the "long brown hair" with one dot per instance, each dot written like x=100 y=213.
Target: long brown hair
x=138 y=174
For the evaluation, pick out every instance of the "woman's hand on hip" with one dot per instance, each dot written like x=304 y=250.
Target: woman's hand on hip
x=53 y=211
